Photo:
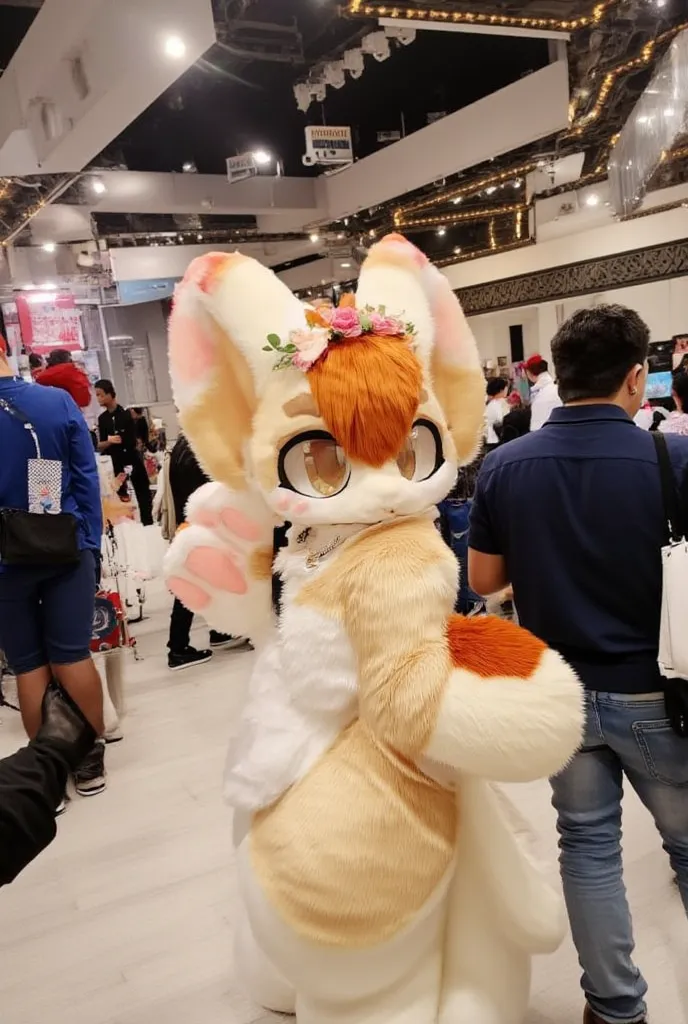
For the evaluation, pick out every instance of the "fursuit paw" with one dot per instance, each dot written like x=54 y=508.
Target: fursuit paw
x=220 y=562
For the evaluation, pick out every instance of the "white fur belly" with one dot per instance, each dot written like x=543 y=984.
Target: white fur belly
x=303 y=693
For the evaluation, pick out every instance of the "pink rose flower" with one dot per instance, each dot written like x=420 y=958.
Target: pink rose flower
x=311 y=343
x=391 y=326
x=346 y=322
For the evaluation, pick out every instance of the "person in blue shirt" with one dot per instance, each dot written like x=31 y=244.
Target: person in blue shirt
x=572 y=516
x=46 y=612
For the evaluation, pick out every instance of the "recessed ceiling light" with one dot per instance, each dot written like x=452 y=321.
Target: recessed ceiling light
x=262 y=157
x=490 y=190
x=199 y=236
x=459 y=199
x=315 y=237
x=49 y=247
x=175 y=47
x=345 y=266
x=593 y=200
x=457 y=250
x=98 y=187
x=188 y=166
x=441 y=232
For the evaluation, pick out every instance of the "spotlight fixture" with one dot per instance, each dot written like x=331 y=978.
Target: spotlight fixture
x=354 y=62
x=188 y=166
x=262 y=157
x=457 y=250
x=441 y=232
x=98 y=187
x=49 y=247
x=315 y=237
x=490 y=189
x=334 y=74
x=377 y=45
x=345 y=266
x=593 y=199
x=175 y=47
x=457 y=200
x=405 y=36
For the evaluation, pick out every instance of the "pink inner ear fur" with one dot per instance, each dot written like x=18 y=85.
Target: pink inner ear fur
x=453 y=337
x=192 y=349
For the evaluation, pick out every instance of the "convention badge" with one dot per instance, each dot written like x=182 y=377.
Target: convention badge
x=45 y=486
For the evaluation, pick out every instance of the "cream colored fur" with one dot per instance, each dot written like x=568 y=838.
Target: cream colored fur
x=357 y=686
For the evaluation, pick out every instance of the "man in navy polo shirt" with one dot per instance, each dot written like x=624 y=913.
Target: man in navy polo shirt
x=572 y=517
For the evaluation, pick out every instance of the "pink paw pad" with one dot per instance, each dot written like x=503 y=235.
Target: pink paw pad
x=217 y=570
x=191 y=596
x=240 y=525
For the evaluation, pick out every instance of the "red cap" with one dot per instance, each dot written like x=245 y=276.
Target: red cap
x=3 y=345
x=533 y=361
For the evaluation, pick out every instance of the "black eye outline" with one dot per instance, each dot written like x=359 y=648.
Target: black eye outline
x=439 y=448
x=307 y=435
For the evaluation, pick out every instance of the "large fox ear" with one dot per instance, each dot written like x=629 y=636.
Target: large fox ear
x=458 y=379
x=400 y=276
x=224 y=310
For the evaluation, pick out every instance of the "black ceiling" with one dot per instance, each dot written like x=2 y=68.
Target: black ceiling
x=240 y=95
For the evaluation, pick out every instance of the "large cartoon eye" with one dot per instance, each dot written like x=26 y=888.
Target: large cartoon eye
x=421 y=456
x=313 y=464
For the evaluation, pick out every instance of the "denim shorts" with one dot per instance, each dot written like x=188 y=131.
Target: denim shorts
x=46 y=613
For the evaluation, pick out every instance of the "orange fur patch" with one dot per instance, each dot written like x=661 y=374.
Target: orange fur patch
x=490 y=647
x=367 y=391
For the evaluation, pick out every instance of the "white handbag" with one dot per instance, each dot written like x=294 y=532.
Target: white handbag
x=673 y=632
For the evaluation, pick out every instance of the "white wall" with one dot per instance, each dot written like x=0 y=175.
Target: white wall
x=146 y=322
x=663 y=305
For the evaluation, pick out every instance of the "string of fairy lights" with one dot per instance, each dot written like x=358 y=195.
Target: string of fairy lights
x=364 y=9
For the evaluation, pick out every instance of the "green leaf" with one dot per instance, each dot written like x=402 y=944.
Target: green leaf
x=290 y=349
x=268 y=348
x=274 y=341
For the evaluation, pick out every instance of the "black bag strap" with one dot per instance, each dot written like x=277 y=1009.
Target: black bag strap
x=17 y=414
x=670 y=496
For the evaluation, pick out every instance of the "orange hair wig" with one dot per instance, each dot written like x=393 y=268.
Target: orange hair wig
x=367 y=391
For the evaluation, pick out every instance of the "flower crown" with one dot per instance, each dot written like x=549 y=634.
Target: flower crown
x=305 y=346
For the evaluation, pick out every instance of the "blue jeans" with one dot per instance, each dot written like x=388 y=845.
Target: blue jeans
x=626 y=736
x=46 y=613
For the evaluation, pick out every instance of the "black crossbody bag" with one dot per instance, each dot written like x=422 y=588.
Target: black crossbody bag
x=32 y=538
x=675 y=690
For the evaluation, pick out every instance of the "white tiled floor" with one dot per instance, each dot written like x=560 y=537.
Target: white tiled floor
x=127 y=918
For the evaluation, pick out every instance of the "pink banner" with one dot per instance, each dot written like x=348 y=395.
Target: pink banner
x=50 y=324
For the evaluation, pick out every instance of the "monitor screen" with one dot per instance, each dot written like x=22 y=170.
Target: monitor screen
x=659 y=385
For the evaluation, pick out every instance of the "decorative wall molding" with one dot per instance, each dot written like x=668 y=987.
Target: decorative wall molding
x=640 y=266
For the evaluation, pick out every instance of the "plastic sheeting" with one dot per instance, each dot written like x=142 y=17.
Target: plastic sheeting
x=658 y=119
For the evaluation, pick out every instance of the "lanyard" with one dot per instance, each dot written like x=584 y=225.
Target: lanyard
x=17 y=414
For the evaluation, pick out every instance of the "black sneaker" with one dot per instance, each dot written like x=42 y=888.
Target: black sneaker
x=89 y=778
x=187 y=658
x=227 y=642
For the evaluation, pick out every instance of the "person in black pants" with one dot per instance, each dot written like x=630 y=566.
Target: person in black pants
x=118 y=438
x=186 y=476
x=33 y=780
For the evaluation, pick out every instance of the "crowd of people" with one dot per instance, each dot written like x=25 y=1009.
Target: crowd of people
x=568 y=513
